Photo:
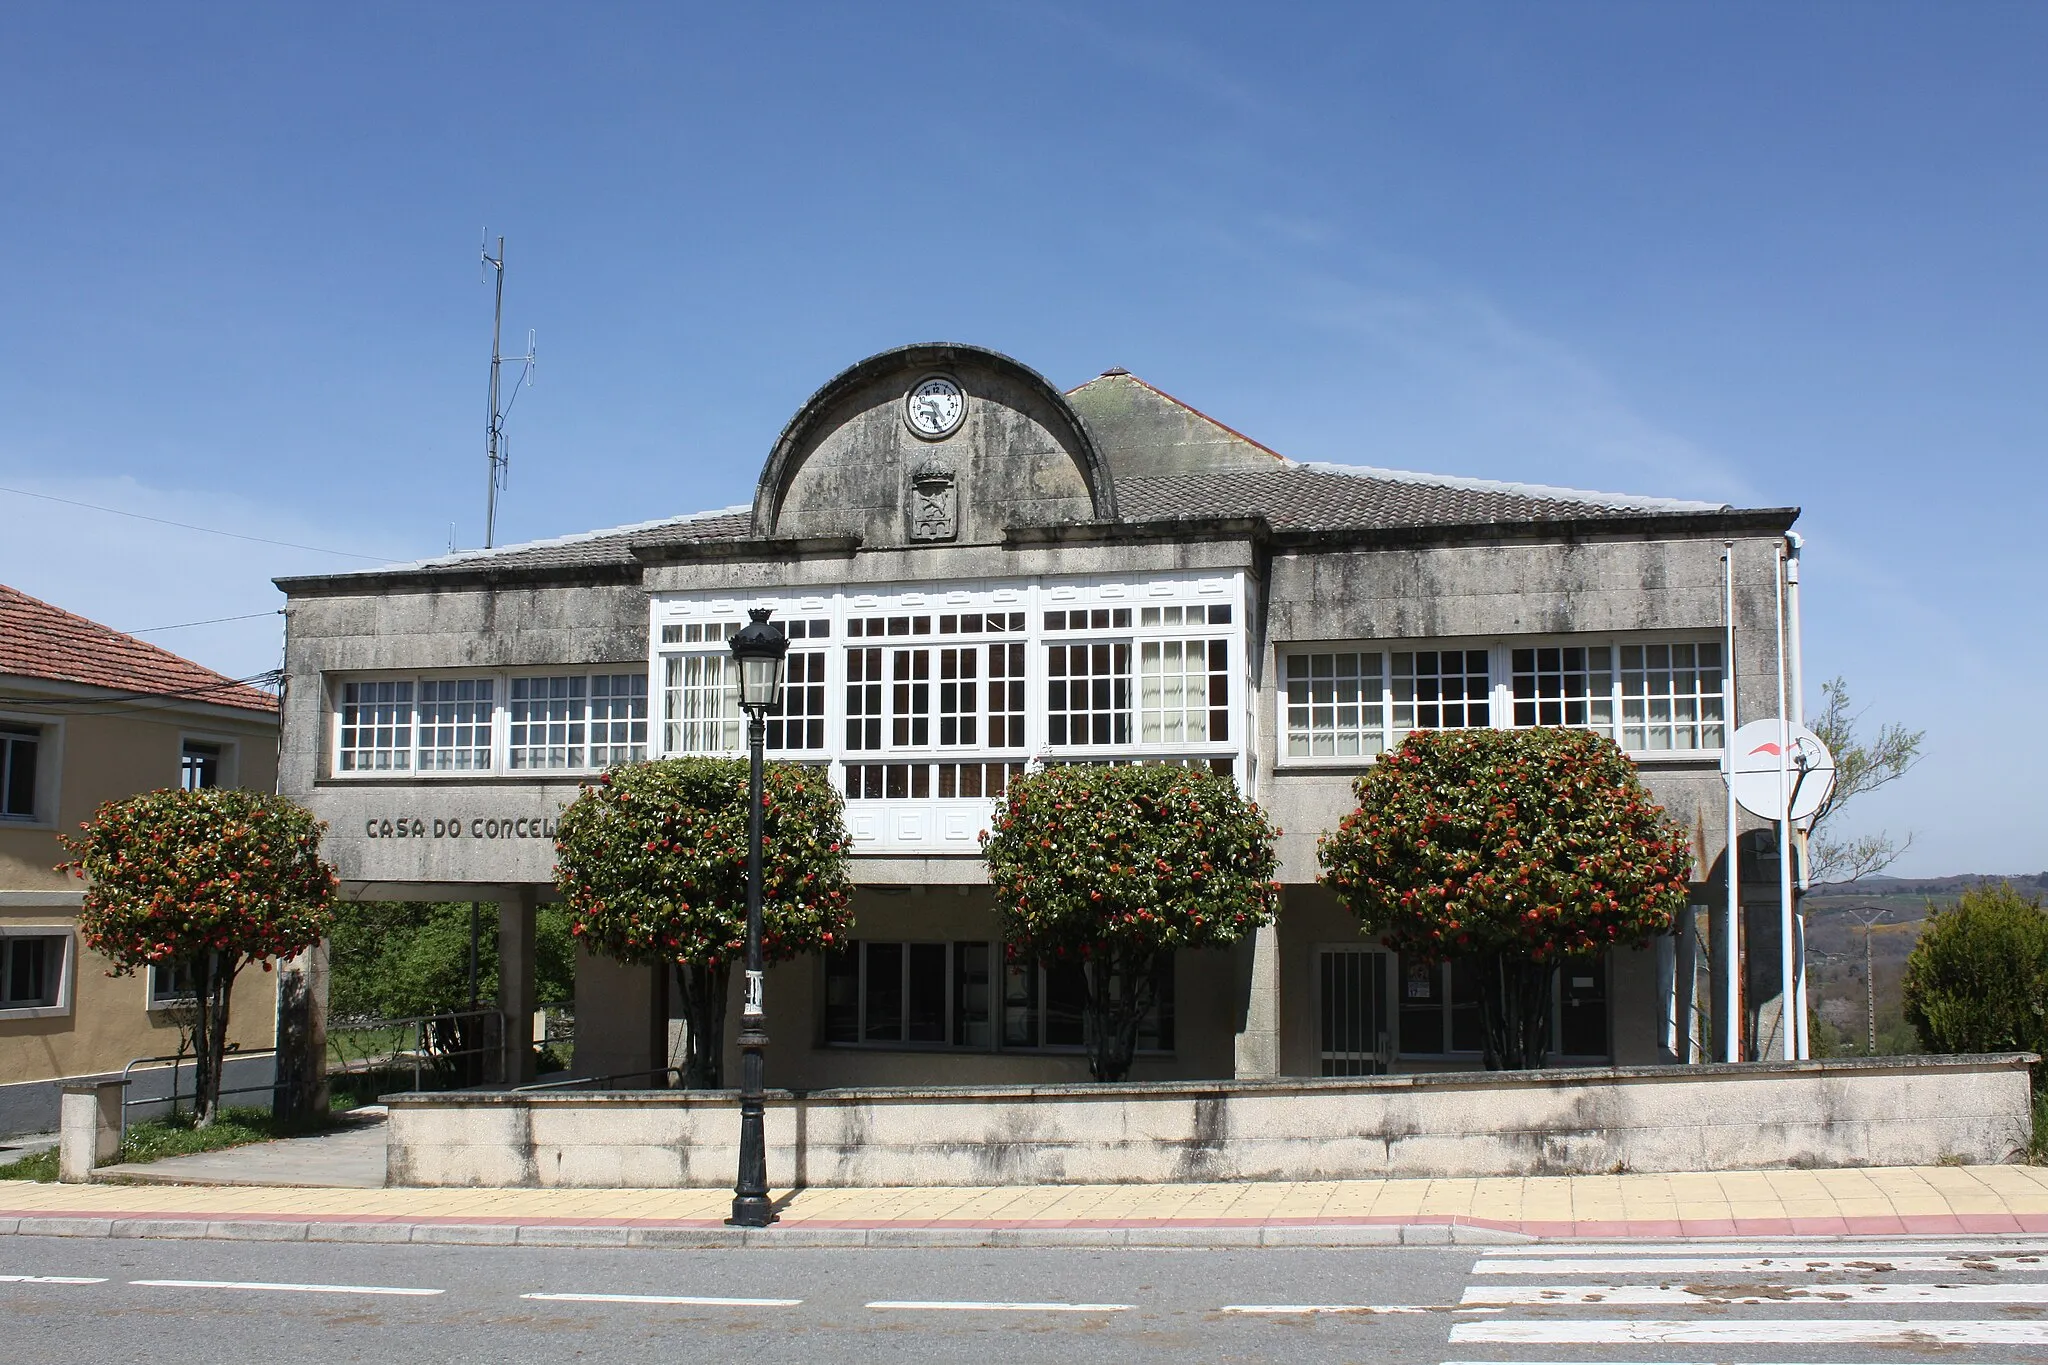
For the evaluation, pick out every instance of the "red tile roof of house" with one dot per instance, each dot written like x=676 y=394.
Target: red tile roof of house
x=38 y=640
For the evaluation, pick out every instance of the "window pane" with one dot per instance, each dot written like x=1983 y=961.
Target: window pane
x=927 y=1005
x=1422 y=1007
x=1563 y=685
x=549 y=722
x=842 y=994
x=883 y=1021
x=1088 y=694
x=1441 y=690
x=455 y=720
x=1335 y=705
x=1671 y=697
x=798 y=721
x=618 y=719
x=18 y=774
x=376 y=727
x=972 y=989
x=1066 y=998
x=1020 y=1004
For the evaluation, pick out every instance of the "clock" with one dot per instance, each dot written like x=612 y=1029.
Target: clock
x=934 y=406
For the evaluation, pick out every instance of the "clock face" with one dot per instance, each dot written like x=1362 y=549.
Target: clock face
x=934 y=407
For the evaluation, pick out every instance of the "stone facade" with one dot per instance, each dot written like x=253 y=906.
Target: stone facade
x=1114 y=503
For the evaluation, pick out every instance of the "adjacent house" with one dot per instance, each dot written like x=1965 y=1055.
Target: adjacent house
x=87 y=715
x=977 y=572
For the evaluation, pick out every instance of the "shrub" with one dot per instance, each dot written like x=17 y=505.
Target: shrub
x=205 y=882
x=1977 y=980
x=1515 y=847
x=652 y=866
x=1116 y=867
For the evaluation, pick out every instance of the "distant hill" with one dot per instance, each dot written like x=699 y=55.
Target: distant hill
x=1941 y=888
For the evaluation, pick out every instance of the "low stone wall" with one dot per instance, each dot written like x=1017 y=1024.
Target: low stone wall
x=1877 y=1112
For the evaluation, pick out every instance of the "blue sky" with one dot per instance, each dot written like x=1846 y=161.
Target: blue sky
x=1772 y=254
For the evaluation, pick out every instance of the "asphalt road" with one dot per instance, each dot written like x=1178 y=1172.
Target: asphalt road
x=94 y=1300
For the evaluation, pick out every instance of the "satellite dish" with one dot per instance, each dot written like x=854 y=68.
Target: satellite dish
x=1808 y=770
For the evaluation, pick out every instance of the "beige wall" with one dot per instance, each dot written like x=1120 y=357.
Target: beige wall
x=100 y=758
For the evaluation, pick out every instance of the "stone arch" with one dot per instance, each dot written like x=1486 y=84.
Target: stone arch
x=1025 y=454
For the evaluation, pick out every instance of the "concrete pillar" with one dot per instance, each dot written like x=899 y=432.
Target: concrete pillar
x=302 y=1035
x=1258 y=1042
x=88 y=1128
x=621 y=1020
x=515 y=981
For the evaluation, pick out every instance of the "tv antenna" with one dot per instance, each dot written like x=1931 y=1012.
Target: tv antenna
x=496 y=449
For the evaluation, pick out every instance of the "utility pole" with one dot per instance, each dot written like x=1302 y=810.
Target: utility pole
x=1869 y=916
x=499 y=458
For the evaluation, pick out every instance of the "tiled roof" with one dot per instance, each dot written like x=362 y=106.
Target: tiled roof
x=38 y=640
x=613 y=546
x=1313 y=497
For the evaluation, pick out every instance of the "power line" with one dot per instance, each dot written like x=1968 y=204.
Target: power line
x=188 y=526
x=143 y=700
x=210 y=621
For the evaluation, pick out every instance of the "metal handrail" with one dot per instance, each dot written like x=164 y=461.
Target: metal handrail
x=420 y=1052
x=596 y=1080
x=235 y=1052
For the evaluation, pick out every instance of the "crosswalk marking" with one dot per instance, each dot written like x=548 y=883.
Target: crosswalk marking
x=1776 y=1265
x=1751 y=1331
x=2031 y=1248
x=679 y=1300
x=53 y=1279
x=976 y=1306
x=1817 y=1295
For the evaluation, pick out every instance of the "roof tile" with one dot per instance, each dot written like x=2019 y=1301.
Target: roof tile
x=38 y=640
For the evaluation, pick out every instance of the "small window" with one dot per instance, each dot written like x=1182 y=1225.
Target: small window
x=31 y=971
x=550 y=724
x=18 y=751
x=199 y=766
x=887 y=993
x=171 y=983
x=1447 y=689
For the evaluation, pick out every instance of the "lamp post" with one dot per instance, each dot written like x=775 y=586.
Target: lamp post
x=757 y=649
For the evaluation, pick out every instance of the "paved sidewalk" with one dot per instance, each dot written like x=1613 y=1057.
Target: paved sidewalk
x=350 y=1157
x=1900 y=1201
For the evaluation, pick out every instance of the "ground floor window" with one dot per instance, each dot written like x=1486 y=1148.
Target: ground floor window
x=1372 y=1005
x=171 y=983
x=32 y=971
x=946 y=995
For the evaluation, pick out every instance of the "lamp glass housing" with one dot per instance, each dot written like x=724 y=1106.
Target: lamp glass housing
x=758 y=647
x=761 y=681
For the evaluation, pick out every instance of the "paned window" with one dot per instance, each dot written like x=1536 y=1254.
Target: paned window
x=455 y=724
x=1006 y=695
x=1447 y=689
x=618 y=719
x=1671 y=697
x=18 y=750
x=1046 y=1007
x=1440 y=1013
x=1098 y=618
x=31 y=971
x=376 y=727
x=1214 y=614
x=1183 y=691
x=959 y=696
x=864 y=699
x=171 y=983
x=1564 y=685
x=550 y=725
x=1088 y=694
x=700 y=704
x=799 y=722
x=702 y=633
x=910 y=698
x=198 y=766
x=1335 y=706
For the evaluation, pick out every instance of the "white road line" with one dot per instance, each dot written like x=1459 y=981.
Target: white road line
x=53 y=1279
x=1360 y=1308
x=972 y=1307
x=1834 y=1246
x=685 y=1300
x=1775 y=1265
x=1753 y=1331
x=1817 y=1295
x=291 y=1288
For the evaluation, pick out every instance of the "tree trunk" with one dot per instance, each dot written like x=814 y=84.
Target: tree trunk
x=213 y=983
x=1514 y=1006
x=704 y=991
x=1120 y=991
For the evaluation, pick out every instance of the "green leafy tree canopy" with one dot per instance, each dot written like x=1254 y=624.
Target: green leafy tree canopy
x=206 y=881
x=1116 y=866
x=1977 y=979
x=1520 y=846
x=652 y=867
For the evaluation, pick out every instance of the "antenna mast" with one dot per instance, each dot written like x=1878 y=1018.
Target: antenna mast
x=496 y=450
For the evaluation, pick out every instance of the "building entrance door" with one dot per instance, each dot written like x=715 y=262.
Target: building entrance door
x=1352 y=995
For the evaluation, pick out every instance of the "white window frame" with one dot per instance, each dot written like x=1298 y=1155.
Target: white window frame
x=228 y=774
x=49 y=735
x=500 y=722
x=67 y=969
x=673 y=614
x=1500 y=711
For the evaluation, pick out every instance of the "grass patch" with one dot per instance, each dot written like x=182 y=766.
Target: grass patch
x=154 y=1139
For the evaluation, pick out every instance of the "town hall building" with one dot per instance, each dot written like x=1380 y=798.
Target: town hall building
x=979 y=572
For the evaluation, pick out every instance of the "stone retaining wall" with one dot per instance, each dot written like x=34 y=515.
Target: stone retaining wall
x=1865 y=1112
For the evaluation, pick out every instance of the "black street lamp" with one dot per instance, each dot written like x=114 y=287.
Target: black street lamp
x=758 y=649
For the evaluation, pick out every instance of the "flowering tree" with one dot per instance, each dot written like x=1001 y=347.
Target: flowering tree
x=1516 y=848
x=652 y=864
x=202 y=883
x=1115 y=867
